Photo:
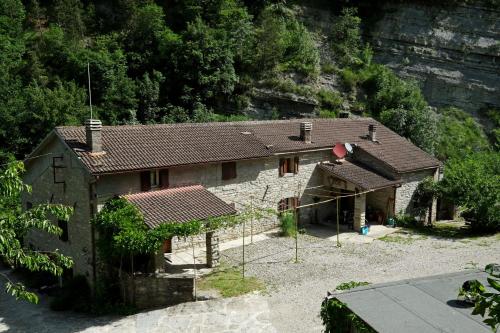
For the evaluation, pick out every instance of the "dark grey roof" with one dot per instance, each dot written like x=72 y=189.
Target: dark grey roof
x=359 y=175
x=420 y=305
x=138 y=147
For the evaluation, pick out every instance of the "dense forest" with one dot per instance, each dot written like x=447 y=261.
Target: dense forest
x=200 y=60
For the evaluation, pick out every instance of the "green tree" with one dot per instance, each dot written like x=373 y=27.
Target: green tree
x=346 y=37
x=45 y=108
x=473 y=183
x=283 y=43
x=12 y=50
x=399 y=105
x=15 y=223
x=69 y=15
x=459 y=135
x=204 y=65
x=149 y=96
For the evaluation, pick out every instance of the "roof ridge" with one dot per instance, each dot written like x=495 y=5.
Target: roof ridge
x=230 y=123
x=180 y=188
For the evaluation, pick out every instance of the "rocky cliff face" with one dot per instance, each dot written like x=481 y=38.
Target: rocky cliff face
x=454 y=52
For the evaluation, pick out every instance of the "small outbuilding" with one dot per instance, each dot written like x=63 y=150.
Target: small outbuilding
x=420 y=305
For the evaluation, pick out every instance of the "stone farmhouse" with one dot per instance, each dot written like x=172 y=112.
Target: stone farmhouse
x=180 y=172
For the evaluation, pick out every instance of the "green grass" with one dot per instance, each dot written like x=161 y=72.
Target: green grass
x=229 y=282
x=449 y=230
x=397 y=239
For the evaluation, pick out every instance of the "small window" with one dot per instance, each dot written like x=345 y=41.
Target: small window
x=289 y=165
x=154 y=178
x=288 y=203
x=228 y=170
x=64 y=226
x=164 y=178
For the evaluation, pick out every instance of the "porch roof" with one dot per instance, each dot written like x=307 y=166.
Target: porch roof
x=359 y=175
x=179 y=204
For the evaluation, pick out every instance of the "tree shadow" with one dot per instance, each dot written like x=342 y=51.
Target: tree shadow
x=449 y=231
x=459 y=304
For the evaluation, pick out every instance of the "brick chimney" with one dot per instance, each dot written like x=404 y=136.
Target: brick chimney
x=372 y=132
x=93 y=134
x=306 y=131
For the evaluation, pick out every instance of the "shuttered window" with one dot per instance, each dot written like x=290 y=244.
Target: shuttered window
x=164 y=182
x=288 y=165
x=145 y=181
x=288 y=203
x=228 y=170
x=154 y=179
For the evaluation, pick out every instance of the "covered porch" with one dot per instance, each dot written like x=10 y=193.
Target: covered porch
x=365 y=195
x=178 y=205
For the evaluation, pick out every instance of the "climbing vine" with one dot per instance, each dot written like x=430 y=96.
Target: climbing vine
x=338 y=318
x=122 y=231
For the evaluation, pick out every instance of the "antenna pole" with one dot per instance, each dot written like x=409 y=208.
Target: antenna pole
x=90 y=92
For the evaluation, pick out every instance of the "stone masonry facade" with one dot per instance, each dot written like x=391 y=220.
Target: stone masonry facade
x=68 y=183
x=257 y=184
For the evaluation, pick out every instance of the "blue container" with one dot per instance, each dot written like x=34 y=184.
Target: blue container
x=364 y=230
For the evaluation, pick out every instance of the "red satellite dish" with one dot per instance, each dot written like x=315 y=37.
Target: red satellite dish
x=339 y=150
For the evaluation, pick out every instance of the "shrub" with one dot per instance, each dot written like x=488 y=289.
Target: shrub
x=327 y=114
x=328 y=68
x=474 y=183
x=329 y=99
x=337 y=317
x=459 y=135
x=284 y=43
x=493 y=117
x=346 y=37
x=405 y=220
x=351 y=284
x=287 y=224
x=350 y=78
x=289 y=86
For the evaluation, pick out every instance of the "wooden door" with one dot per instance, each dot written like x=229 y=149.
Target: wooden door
x=167 y=246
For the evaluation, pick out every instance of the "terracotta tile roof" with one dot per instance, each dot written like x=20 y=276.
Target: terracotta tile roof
x=180 y=204
x=138 y=147
x=359 y=175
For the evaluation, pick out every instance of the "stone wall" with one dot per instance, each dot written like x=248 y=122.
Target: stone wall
x=71 y=187
x=156 y=290
x=257 y=183
x=382 y=200
x=406 y=192
x=452 y=51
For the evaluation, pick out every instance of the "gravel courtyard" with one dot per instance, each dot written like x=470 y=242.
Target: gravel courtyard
x=296 y=290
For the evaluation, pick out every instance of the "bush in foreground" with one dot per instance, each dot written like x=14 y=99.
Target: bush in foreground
x=474 y=184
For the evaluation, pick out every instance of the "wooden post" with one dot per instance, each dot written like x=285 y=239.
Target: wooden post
x=296 y=235
x=194 y=271
x=251 y=220
x=338 y=227
x=243 y=264
x=297 y=224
